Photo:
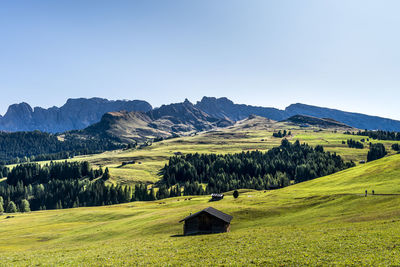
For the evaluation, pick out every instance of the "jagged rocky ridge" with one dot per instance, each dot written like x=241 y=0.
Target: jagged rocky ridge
x=80 y=113
x=164 y=122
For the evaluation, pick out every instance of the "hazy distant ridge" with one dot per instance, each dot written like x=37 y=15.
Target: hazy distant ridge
x=225 y=108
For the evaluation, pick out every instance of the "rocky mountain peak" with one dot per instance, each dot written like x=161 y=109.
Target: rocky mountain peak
x=19 y=111
x=187 y=102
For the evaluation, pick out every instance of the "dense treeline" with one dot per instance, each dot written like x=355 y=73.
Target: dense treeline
x=64 y=185
x=376 y=151
x=58 y=194
x=256 y=170
x=30 y=146
x=380 y=135
x=281 y=134
x=31 y=173
x=355 y=144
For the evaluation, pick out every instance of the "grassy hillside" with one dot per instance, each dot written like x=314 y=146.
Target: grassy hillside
x=324 y=221
x=251 y=135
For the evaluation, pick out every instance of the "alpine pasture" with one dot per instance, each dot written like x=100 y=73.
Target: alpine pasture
x=323 y=221
x=247 y=137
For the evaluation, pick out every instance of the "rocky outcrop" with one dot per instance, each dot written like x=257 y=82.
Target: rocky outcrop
x=187 y=115
x=164 y=122
x=17 y=115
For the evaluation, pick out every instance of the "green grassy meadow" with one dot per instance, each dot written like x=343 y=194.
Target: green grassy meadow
x=326 y=221
x=150 y=160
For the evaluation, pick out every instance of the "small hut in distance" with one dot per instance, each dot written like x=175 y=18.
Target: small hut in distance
x=207 y=221
x=217 y=197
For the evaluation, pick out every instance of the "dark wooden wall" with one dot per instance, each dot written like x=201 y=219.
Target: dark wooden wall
x=205 y=223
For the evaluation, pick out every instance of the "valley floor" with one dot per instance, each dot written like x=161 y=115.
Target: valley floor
x=326 y=221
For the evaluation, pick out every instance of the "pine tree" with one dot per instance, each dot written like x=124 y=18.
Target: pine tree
x=76 y=203
x=106 y=175
x=25 y=207
x=152 y=194
x=11 y=207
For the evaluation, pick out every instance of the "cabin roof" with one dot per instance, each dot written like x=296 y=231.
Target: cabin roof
x=214 y=212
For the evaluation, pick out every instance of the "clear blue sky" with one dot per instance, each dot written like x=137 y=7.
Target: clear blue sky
x=339 y=53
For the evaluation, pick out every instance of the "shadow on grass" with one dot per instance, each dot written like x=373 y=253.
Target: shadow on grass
x=177 y=236
x=181 y=235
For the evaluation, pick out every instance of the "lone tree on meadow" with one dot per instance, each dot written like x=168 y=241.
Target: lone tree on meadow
x=11 y=207
x=235 y=194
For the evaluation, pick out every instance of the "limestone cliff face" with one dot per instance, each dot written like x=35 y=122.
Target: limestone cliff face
x=16 y=114
x=74 y=115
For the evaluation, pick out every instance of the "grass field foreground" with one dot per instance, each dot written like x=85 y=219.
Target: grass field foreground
x=324 y=221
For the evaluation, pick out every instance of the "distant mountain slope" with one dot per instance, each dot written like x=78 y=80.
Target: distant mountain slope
x=225 y=108
x=355 y=120
x=254 y=122
x=185 y=115
x=166 y=121
x=313 y=121
x=75 y=114
x=124 y=127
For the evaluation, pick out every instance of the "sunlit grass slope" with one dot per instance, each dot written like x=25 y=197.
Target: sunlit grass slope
x=320 y=222
x=382 y=176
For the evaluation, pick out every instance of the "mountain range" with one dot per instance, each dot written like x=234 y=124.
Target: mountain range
x=138 y=118
x=73 y=115
x=225 y=108
x=164 y=122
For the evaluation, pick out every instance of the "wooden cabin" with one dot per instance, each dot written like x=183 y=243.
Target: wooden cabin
x=207 y=221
